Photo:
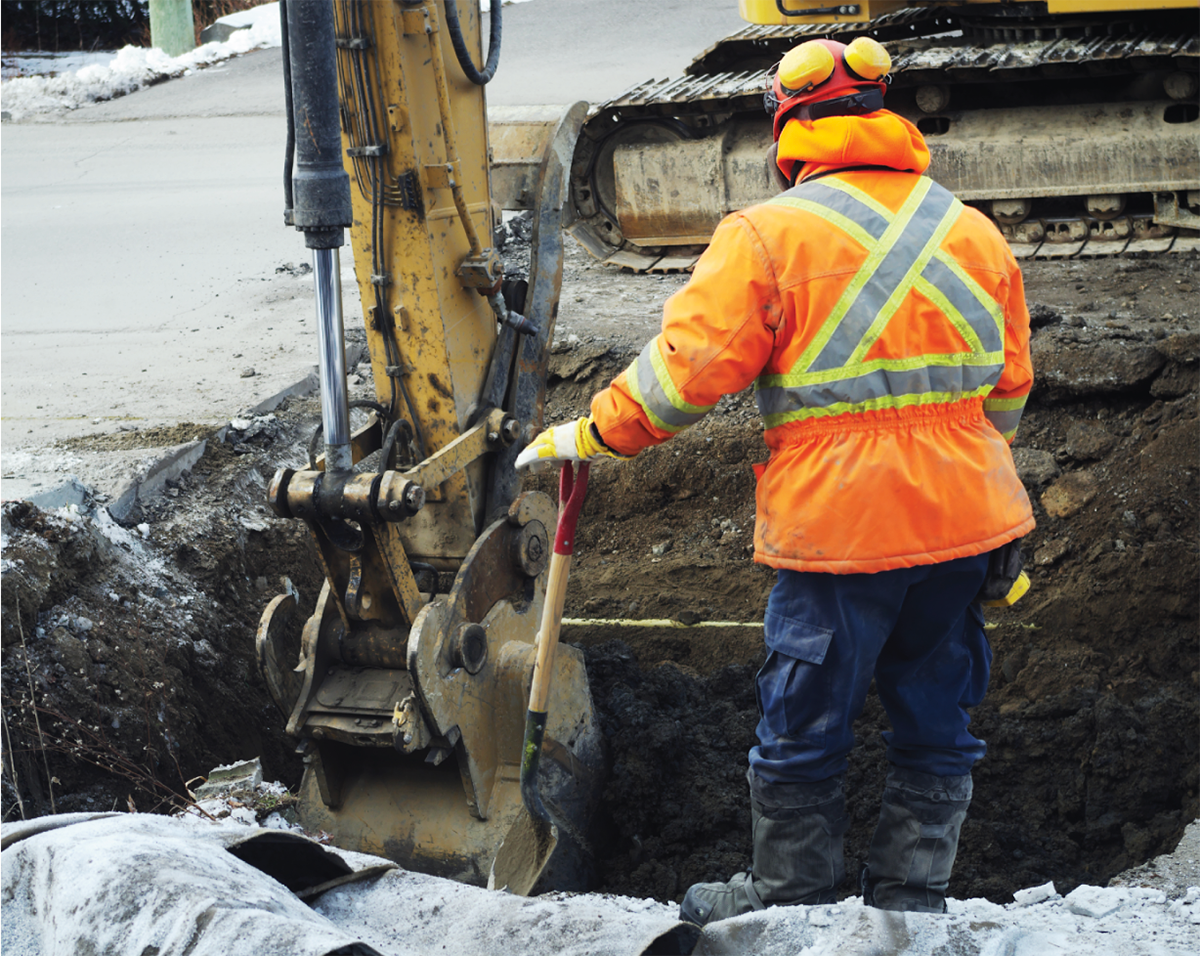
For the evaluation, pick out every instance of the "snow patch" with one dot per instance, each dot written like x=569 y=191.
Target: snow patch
x=69 y=81
x=131 y=69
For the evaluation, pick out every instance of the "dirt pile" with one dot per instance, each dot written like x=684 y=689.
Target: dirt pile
x=137 y=641
x=135 y=644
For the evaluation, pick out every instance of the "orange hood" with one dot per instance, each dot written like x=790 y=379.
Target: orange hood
x=877 y=139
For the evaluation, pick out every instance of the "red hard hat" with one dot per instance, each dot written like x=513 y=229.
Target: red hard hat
x=827 y=78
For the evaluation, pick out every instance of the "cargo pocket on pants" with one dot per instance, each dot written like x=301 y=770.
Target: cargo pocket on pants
x=793 y=687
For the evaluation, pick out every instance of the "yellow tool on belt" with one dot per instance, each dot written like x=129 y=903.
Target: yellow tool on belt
x=1015 y=593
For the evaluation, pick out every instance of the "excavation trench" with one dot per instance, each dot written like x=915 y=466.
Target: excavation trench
x=135 y=643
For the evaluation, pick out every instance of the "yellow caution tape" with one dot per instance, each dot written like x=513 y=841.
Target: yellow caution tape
x=652 y=622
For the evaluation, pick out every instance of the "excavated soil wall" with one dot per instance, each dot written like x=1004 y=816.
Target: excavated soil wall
x=128 y=663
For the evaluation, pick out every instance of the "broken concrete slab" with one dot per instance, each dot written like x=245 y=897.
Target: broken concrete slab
x=176 y=460
x=245 y=775
x=1072 y=364
x=1035 y=894
x=306 y=386
x=1089 y=441
x=1175 y=381
x=71 y=492
x=1181 y=347
x=1094 y=902
x=1035 y=467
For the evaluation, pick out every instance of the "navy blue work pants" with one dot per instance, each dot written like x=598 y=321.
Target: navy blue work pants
x=917 y=631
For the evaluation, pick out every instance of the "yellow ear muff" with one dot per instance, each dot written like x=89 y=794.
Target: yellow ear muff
x=867 y=59
x=806 y=65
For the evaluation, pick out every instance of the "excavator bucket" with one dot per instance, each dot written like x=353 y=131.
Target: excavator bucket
x=406 y=687
x=443 y=806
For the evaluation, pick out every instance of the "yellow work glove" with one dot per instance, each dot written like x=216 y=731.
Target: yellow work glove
x=571 y=441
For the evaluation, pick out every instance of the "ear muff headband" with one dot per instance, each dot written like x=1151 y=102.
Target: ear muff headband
x=819 y=70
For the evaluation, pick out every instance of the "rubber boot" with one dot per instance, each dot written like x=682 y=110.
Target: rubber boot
x=798 y=830
x=913 y=849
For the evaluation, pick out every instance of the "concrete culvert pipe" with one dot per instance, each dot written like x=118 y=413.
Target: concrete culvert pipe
x=137 y=883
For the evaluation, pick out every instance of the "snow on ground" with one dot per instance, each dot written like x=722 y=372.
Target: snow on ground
x=44 y=82
x=43 y=62
x=397 y=913
x=129 y=69
x=1118 y=922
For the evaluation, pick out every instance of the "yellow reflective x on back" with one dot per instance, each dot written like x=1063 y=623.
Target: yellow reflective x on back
x=831 y=376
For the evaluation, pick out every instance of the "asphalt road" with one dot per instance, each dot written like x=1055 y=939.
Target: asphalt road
x=142 y=236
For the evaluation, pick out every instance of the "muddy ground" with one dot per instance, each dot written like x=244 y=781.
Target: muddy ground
x=136 y=642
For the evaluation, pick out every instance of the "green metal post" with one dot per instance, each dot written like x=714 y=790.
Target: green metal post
x=172 y=29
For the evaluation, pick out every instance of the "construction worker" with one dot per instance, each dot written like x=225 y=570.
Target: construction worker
x=884 y=327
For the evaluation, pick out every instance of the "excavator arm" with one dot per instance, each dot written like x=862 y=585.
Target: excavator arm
x=408 y=703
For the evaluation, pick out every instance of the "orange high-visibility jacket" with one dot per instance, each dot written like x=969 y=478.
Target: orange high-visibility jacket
x=884 y=327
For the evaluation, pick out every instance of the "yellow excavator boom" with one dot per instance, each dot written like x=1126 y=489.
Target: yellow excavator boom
x=806 y=11
x=406 y=687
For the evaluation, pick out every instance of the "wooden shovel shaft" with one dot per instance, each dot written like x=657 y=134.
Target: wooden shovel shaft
x=547 y=639
x=572 y=488
x=533 y=835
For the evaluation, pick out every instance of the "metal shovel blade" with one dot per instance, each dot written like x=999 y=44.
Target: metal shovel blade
x=533 y=836
x=531 y=839
x=523 y=855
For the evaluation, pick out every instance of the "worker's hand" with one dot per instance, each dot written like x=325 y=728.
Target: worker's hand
x=571 y=441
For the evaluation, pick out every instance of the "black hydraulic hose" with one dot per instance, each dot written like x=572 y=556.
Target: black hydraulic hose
x=314 y=440
x=389 y=443
x=460 y=45
x=290 y=148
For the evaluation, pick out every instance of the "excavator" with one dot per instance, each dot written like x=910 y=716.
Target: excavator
x=1071 y=122
x=406 y=687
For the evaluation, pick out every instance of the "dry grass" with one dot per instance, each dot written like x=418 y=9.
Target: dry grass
x=39 y=728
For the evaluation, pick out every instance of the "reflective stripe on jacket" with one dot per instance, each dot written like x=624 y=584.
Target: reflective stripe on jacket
x=884 y=327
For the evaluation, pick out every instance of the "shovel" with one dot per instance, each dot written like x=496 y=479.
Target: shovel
x=534 y=835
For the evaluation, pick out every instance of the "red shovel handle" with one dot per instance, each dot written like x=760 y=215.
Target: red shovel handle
x=572 y=488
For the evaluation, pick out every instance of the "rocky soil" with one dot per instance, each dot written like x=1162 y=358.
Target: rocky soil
x=127 y=650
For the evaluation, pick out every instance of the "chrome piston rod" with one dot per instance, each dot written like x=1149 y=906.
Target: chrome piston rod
x=331 y=341
x=318 y=188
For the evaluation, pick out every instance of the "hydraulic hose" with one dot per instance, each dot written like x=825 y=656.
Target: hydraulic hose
x=290 y=147
x=460 y=45
x=320 y=184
